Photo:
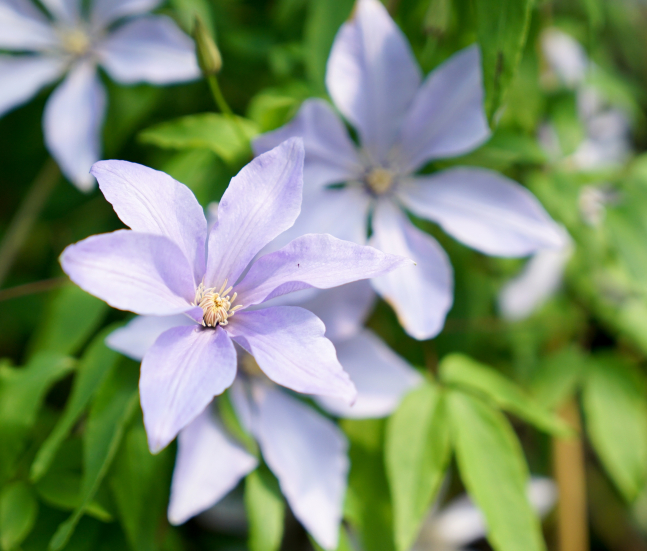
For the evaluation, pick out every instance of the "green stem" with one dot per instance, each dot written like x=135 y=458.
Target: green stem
x=27 y=214
x=224 y=107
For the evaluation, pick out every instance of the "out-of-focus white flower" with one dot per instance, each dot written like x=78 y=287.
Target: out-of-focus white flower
x=566 y=57
x=147 y=48
x=461 y=523
x=593 y=201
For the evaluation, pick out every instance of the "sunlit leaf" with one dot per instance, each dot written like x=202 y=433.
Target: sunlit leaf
x=18 y=510
x=265 y=510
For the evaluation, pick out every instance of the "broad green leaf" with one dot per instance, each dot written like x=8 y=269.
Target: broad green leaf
x=21 y=393
x=204 y=131
x=96 y=362
x=494 y=471
x=462 y=371
x=113 y=407
x=18 y=510
x=265 y=510
x=368 y=503
x=71 y=317
x=139 y=484
x=558 y=377
x=198 y=169
x=322 y=23
x=417 y=450
x=615 y=409
x=501 y=30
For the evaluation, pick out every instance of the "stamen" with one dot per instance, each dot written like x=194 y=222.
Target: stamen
x=380 y=180
x=216 y=307
x=75 y=41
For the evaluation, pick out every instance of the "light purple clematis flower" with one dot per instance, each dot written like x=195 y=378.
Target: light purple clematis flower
x=145 y=49
x=305 y=450
x=161 y=267
x=402 y=124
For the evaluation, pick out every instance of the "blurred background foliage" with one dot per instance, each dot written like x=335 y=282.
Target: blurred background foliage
x=561 y=393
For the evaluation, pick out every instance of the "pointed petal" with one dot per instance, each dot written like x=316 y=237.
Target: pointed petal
x=344 y=309
x=209 y=464
x=68 y=11
x=288 y=344
x=308 y=455
x=135 y=338
x=180 y=375
x=447 y=117
x=484 y=210
x=342 y=213
x=150 y=201
x=381 y=376
x=72 y=124
x=105 y=12
x=320 y=261
x=149 y=49
x=21 y=77
x=372 y=76
x=331 y=156
x=146 y=274
x=459 y=523
x=539 y=280
x=421 y=295
x=542 y=494
x=23 y=27
x=262 y=201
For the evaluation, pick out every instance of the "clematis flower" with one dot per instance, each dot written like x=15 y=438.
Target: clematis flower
x=148 y=48
x=460 y=522
x=160 y=267
x=305 y=450
x=403 y=123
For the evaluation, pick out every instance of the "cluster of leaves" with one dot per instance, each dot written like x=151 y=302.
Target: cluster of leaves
x=75 y=471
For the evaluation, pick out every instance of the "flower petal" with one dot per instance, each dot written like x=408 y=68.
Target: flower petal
x=539 y=280
x=565 y=56
x=344 y=309
x=331 y=156
x=149 y=49
x=68 y=11
x=105 y=12
x=447 y=117
x=22 y=76
x=288 y=344
x=381 y=376
x=135 y=338
x=72 y=124
x=150 y=201
x=23 y=27
x=372 y=76
x=320 y=261
x=262 y=201
x=308 y=455
x=146 y=274
x=421 y=295
x=484 y=210
x=180 y=375
x=208 y=466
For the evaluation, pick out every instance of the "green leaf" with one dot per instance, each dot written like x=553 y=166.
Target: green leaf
x=97 y=361
x=233 y=425
x=18 y=510
x=21 y=393
x=616 y=421
x=494 y=471
x=344 y=544
x=558 y=377
x=417 y=450
x=501 y=32
x=462 y=371
x=265 y=510
x=204 y=131
x=322 y=23
x=71 y=317
x=116 y=400
x=139 y=483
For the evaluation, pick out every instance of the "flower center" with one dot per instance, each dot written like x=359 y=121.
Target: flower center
x=380 y=180
x=216 y=306
x=75 y=41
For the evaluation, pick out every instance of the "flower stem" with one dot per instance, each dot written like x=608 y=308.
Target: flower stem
x=222 y=104
x=33 y=288
x=568 y=464
x=26 y=215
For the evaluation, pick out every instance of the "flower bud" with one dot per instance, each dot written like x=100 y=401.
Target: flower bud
x=208 y=54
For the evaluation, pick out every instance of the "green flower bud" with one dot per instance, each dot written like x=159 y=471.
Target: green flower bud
x=208 y=54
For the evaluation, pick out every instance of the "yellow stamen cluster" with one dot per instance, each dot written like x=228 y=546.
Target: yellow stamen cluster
x=216 y=307
x=75 y=41
x=380 y=180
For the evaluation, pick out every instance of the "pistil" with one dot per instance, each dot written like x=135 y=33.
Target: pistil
x=216 y=306
x=75 y=41
x=380 y=180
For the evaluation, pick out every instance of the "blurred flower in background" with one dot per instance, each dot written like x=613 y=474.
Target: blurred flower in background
x=145 y=48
